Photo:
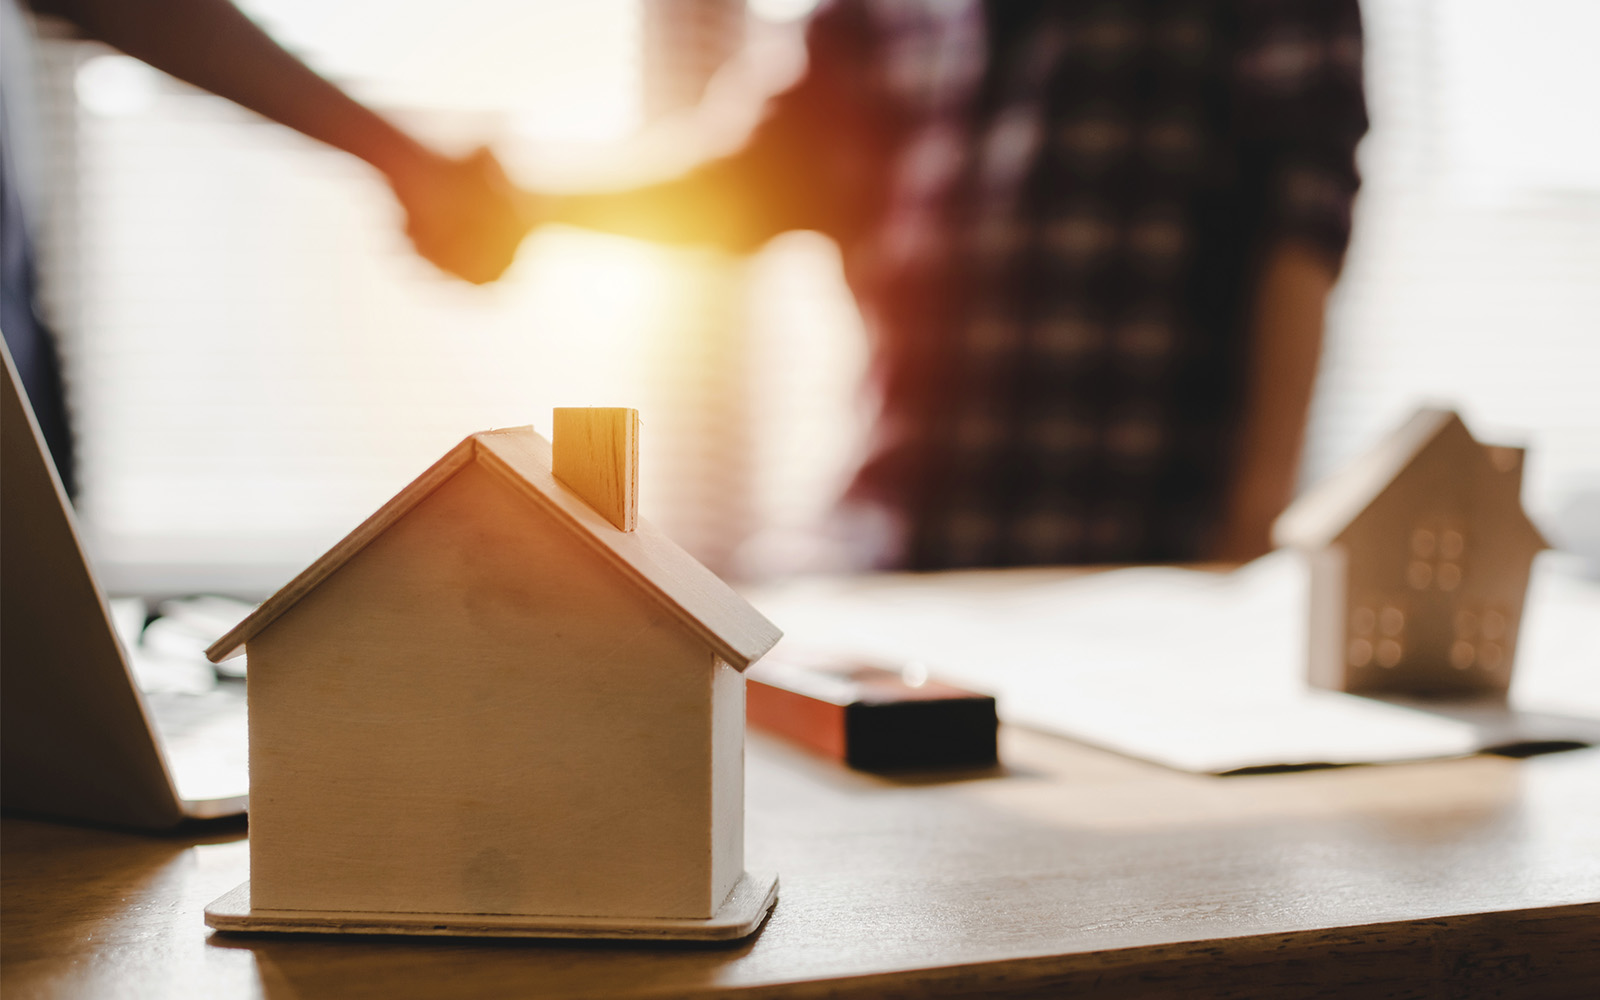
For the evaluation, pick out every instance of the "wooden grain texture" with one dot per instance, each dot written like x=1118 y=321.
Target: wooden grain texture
x=729 y=625
x=475 y=714
x=698 y=597
x=738 y=916
x=312 y=576
x=1074 y=871
x=727 y=778
x=596 y=454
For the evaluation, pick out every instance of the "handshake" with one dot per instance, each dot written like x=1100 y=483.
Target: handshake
x=462 y=215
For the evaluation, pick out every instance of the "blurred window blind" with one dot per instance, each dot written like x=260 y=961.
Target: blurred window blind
x=256 y=359
x=1474 y=276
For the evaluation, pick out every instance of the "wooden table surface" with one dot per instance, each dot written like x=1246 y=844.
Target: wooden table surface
x=1070 y=869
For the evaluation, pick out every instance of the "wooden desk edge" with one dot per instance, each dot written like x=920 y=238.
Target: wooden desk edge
x=1459 y=955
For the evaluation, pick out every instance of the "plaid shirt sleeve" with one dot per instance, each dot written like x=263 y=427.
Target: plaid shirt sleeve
x=1299 y=91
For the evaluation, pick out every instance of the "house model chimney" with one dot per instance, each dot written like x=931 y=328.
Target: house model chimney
x=597 y=457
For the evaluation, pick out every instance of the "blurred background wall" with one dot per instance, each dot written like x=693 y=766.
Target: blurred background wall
x=256 y=360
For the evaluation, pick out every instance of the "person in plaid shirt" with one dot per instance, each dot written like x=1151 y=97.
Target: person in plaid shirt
x=1092 y=241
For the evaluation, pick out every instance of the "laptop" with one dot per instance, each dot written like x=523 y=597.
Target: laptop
x=78 y=740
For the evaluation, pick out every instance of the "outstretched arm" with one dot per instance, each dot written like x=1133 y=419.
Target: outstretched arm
x=816 y=161
x=460 y=213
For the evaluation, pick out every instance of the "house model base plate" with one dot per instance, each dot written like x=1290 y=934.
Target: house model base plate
x=743 y=911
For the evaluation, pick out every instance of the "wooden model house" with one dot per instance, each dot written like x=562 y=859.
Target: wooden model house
x=502 y=705
x=1420 y=554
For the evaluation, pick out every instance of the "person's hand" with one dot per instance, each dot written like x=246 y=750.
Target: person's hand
x=465 y=216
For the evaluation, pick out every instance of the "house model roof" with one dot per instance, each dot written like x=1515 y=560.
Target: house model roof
x=1321 y=515
x=695 y=596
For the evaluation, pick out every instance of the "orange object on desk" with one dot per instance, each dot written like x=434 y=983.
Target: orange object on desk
x=869 y=716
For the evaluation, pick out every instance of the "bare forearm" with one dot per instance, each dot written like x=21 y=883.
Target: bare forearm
x=1287 y=343
x=814 y=162
x=727 y=203
x=210 y=44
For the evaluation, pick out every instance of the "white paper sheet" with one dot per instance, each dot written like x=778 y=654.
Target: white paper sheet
x=1199 y=671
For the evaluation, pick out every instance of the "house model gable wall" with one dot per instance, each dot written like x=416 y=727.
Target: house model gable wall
x=1420 y=591
x=689 y=591
x=473 y=714
x=696 y=595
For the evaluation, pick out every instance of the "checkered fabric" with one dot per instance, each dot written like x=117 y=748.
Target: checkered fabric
x=1051 y=213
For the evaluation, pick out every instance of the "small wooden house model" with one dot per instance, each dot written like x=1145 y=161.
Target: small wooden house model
x=1420 y=554
x=503 y=705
